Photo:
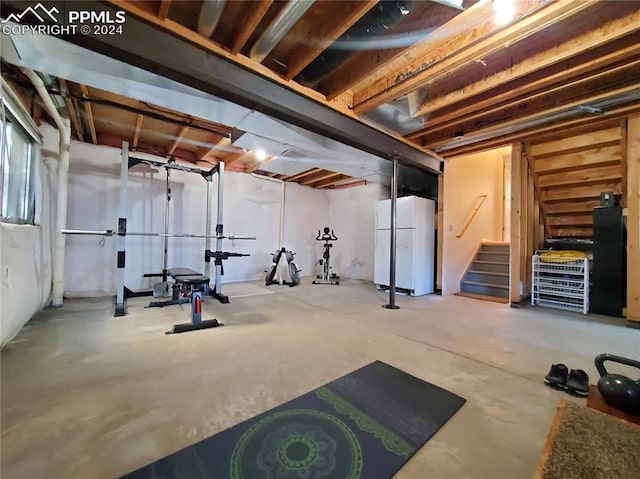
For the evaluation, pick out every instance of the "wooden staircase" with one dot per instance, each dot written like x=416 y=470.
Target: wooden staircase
x=487 y=277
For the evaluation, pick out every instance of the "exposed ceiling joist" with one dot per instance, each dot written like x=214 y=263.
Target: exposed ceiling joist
x=89 y=114
x=424 y=17
x=538 y=118
x=249 y=24
x=302 y=174
x=322 y=175
x=73 y=114
x=163 y=10
x=468 y=46
x=334 y=178
x=219 y=144
x=582 y=89
x=256 y=164
x=174 y=144
x=321 y=35
x=136 y=132
x=559 y=54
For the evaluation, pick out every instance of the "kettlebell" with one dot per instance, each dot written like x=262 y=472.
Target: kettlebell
x=617 y=390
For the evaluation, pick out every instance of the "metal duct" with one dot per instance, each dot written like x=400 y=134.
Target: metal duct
x=376 y=22
x=209 y=15
x=279 y=28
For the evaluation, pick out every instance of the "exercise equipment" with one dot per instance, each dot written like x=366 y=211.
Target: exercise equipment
x=130 y=160
x=283 y=270
x=617 y=390
x=327 y=276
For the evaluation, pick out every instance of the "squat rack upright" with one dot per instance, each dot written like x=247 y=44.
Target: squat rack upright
x=129 y=160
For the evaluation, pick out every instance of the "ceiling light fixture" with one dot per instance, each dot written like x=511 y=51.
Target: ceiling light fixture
x=505 y=10
x=261 y=155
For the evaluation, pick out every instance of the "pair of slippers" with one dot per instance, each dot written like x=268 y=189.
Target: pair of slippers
x=574 y=381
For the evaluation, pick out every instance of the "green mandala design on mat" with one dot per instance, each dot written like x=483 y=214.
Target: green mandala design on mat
x=297 y=444
x=391 y=441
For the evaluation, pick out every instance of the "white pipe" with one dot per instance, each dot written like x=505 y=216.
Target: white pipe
x=64 y=129
x=282 y=194
x=275 y=32
x=210 y=13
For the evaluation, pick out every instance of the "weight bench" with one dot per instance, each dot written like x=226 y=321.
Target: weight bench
x=190 y=284
x=187 y=281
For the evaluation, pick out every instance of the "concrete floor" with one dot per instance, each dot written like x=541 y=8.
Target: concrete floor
x=85 y=395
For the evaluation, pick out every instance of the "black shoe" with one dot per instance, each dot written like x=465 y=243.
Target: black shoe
x=578 y=383
x=557 y=376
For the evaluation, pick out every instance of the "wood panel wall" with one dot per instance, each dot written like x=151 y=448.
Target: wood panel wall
x=570 y=172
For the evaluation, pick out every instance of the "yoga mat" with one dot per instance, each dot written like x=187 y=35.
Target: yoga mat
x=366 y=425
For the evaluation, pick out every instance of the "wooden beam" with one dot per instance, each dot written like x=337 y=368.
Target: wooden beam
x=584 y=176
x=440 y=232
x=89 y=114
x=579 y=90
x=249 y=24
x=607 y=156
x=302 y=174
x=468 y=45
x=174 y=144
x=322 y=175
x=330 y=180
x=320 y=35
x=256 y=164
x=577 y=142
x=136 y=133
x=536 y=187
x=538 y=117
x=573 y=220
x=73 y=114
x=218 y=144
x=553 y=129
x=633 y=219
x=572 y=208
x=348 y=185
x=570 y=231
x=579 y=192
x=240 y=157
x=560 y=55
x=424 y=17
x=518 y=169
x=163 y=11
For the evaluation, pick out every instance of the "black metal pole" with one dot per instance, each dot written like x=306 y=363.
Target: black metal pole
x=392 y=252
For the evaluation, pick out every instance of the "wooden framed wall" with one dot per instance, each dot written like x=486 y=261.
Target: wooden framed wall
x=633 y=219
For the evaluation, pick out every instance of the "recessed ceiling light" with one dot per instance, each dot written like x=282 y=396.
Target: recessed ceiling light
x=261 y=155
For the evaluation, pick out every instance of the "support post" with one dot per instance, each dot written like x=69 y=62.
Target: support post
x=516 y=224
x=122 y=231
x=440 y=238
x=61 y=214
x=392 y=252
x=219 y=231
x=633 y=221
x=207 y=241
x=165 y=256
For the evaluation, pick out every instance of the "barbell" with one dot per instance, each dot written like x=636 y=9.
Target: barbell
x=161 y=235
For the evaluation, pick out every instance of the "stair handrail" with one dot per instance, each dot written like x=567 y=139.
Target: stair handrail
x=473 y=215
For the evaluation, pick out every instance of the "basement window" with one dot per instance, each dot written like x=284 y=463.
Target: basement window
x=19 y=155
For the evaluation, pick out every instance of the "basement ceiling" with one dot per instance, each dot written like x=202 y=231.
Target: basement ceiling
x=450 y=77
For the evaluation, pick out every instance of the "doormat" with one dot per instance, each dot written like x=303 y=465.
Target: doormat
x=366 y=425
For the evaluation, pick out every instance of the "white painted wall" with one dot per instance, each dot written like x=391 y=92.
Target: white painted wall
x=465 y=179
x=25 y=252
x=352 y=216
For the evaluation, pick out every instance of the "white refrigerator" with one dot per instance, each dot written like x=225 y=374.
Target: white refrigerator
x=415 y=238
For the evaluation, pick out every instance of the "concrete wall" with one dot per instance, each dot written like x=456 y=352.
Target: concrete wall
x=465 y=179
x=25 y=252
x=352 y=215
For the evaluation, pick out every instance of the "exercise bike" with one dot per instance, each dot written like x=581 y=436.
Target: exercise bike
x=327 y=276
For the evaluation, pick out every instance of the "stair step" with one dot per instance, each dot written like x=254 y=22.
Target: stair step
x=493 y=257
x=488 y=285
x=483 y=297
x=488 y=272
x=497 y=247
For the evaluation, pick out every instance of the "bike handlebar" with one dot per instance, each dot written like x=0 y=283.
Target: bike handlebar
x=326 y=236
